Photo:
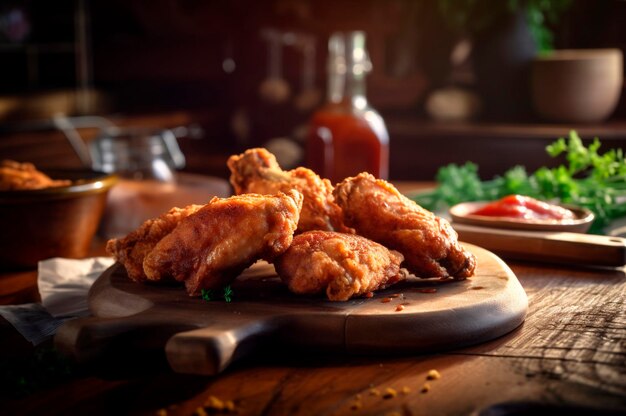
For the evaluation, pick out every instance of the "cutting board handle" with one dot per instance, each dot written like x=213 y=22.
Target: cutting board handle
x=88 y=339
x=210 y=350
x=549 y=246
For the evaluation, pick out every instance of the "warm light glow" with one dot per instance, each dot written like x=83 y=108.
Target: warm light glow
x=358 y=54
x=360 y=102
x=228 y=65
x=378 y=125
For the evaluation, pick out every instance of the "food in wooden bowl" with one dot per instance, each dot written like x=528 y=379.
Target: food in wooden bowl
x=16 y=176
x=51 y=214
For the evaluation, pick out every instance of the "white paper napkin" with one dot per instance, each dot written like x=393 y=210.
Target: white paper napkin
x=63 y=286
x=64 y=283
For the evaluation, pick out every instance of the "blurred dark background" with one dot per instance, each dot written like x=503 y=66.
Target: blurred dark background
x=201 y=64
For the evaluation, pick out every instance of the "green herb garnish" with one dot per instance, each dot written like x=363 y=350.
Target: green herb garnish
x=588 y=179
x=228 y=293
x=209 y=295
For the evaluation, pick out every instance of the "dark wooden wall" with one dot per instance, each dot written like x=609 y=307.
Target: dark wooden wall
x=167 y=55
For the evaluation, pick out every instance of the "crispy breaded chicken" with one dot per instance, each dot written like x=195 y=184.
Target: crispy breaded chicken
x=15 y=175
x=133 y=249
x=341 y=265
x=257 y=171
x=210 y=248
x=378 y=211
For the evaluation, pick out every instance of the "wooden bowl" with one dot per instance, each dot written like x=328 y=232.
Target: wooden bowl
x=53 y=222
x=577 y=85
x=462 y=213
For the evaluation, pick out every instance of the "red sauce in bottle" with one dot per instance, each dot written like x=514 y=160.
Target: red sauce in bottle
x=343 y=142
x=524 y=207
x=347 y=136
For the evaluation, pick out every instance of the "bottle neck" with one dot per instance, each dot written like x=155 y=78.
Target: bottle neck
x=347 y=66
x=347 y=87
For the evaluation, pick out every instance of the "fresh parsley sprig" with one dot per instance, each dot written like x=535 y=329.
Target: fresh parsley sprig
x=208 y=295
x=228 y=294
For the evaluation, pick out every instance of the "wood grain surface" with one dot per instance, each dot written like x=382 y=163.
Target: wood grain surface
x=575 y=330
x=205 y=337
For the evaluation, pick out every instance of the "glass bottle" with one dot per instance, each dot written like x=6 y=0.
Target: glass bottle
x=347 y=136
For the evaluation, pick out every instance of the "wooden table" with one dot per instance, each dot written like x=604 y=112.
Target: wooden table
x=570 y=354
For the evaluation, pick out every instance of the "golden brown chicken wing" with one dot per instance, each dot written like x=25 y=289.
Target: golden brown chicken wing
x=133 y=249
x=342 y=265
x=210 y=248
x=257 y=171
x=378 y=211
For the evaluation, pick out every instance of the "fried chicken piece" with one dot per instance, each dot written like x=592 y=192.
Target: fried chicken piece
x=378 y=211
x=342 y=265
x=210 y=248
x=133 y=249
x=18 y=176
x=257 y=171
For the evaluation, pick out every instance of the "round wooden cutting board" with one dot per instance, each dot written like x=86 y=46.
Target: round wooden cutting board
x=205 y=337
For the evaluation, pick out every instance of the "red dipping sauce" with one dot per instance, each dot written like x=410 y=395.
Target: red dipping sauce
x=526 y=208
